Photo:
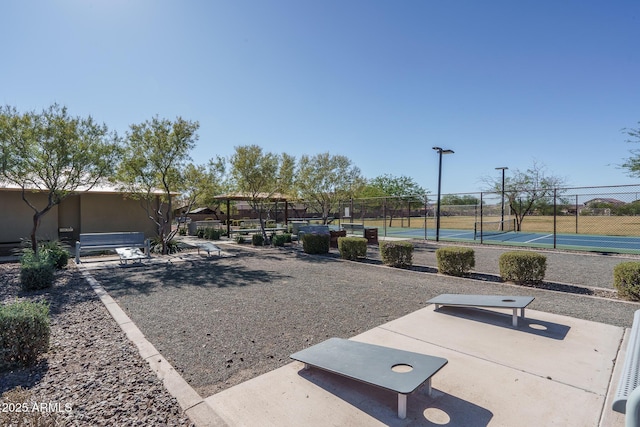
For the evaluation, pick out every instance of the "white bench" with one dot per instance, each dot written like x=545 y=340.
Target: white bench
x=484 y=301
x=113 y=241
x=626 y=400
x=207 y=247
x=375 y=365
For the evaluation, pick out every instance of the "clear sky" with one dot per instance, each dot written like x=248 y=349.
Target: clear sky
x=502 y=83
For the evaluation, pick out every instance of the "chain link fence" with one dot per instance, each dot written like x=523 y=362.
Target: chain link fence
x=483 y=216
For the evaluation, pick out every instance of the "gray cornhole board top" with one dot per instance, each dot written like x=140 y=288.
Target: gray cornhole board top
x=494 y=301
x=371 y=364
x=491 y=301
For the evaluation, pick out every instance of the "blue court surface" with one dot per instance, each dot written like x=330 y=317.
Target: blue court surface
x=582 y=242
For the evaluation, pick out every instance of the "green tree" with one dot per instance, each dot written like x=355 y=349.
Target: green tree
x=261 y=177
x=54 y=153
x=454 y=199
x=397 y=191
x=633 y=162
x=527 y=191
x=156 y=155
x=323 y=180
x=202 y=183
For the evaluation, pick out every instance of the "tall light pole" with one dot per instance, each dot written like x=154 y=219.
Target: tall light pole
x=440 y=153
x=503 y=168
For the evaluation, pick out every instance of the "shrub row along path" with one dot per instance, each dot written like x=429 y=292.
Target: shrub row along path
x=221 y=321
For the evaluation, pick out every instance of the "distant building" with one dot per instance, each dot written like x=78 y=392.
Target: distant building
x=94 y=211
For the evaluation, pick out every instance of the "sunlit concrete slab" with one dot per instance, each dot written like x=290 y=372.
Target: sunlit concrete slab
x=550 y=370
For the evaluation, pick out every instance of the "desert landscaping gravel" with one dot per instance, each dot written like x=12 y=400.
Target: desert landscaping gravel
x=223 y=320
x=92 y=375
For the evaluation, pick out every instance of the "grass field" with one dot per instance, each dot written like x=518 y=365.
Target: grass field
x=599 y=225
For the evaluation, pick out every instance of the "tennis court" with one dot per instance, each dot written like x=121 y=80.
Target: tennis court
x=582 y=242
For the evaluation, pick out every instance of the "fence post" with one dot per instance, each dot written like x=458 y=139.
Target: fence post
x=426 y=204
x=481 y=219
x=576 y=214
x=384 y=215
x=555 y=217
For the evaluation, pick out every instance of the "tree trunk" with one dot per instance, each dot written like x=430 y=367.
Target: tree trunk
x=264 y=232
x=34 y=240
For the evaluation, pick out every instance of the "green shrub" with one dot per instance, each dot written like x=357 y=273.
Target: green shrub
x=455 y=260
x=173 y=246
x=522 y=266
x=212 y=233
x=257 y=240
x=279 y=240
x=200 y=233
x=24 y=333
x=396 y=254
x=182 y=231
x=55 y=253
x=315 y=243
x=287 y=237
x=626 y=279
x=36 y=273
x=239 y=239
x=352 y=247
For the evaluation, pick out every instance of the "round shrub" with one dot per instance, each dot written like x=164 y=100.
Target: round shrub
x=626 y=280
x=522 y=267
x=212 y=233
x=173 y=246
x=55 y=253
x=257 y=240
x=352 y=248
x=279 y=240
x=24 y=333
x=239 y=239
x=455 y=260
x=315 y=243
x=396 y=254
x=36 y=274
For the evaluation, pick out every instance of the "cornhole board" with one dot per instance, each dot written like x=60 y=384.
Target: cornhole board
x=484 y=301
x=396 y=370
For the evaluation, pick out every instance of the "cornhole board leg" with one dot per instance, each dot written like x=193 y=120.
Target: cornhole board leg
x=402 y=406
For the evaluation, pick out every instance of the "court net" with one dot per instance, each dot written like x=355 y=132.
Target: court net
x=483 y=229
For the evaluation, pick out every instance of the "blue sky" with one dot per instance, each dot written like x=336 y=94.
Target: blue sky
x=502 y=83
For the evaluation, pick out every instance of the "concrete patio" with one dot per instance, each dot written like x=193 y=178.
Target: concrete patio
x=551 y=370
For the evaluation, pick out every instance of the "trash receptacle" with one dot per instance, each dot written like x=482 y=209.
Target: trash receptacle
x=371 y=234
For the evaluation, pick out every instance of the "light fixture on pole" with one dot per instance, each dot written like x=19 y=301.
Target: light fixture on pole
x=503 y=168
x=440 y=153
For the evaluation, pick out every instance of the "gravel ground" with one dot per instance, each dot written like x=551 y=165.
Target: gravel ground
x=221 y=321
x=91 y=367
x=236 y=317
